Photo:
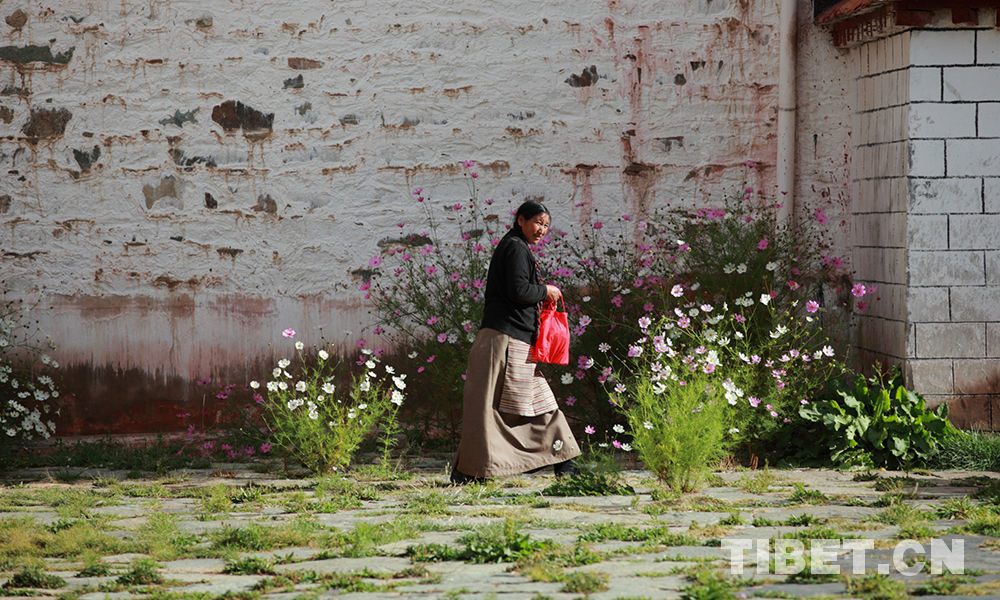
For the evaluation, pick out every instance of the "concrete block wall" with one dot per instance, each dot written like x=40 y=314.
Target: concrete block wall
x=186 y=179
x=879 y=190
x=927 y=230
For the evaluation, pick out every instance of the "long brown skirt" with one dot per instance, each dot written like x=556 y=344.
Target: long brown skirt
x=494 y=443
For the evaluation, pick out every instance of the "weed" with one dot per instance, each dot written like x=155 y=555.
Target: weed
x=915 y=531
x=366 y=537
x=613 y=531
x=430 y=503
x=760 y=483
x=500 y=543
x=24 y=537
x=587 y=483
x=734 y=519
x=898 y=514
x=894 y=484
x=817 y=533
x=249 y=565
x=434 y=553
x=955 y=508
x=885 y=500
x=804 y=520
x=800 y=495
x=943 y=585
x=218 y=500
x=763 y=522
x=34 y=577
x=162 y=539
x=982 y=523
x=66 y=476
x=866 y=476
x=94 y=568
x=708 y=584
x=254 y=537
x=143 y=571
x=584 y=582
x=875 y=587
x=715 y=480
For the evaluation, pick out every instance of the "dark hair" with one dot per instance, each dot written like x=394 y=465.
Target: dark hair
x=529 y=209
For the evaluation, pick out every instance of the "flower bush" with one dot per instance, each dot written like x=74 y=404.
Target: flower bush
x=320 y=413
x=767 y=300
x=27 y=387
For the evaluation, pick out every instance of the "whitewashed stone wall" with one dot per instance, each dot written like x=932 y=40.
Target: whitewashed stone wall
x=185 y=179
x=935 y=251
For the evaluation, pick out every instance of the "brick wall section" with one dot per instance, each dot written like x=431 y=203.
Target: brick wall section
x=955 y=221
x=188 y=178
x=925 y=178
x=879 y=191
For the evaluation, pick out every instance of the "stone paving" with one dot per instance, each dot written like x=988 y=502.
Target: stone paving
x=235 y=532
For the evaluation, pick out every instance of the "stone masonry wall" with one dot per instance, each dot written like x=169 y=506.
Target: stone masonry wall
x=185 y=179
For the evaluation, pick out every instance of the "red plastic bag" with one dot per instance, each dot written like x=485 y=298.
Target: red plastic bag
x=552 y=344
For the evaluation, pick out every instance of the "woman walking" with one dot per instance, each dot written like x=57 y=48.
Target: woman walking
x=510 y=421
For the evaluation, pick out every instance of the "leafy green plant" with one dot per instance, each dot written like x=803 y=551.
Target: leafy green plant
x=875 y=587
x=316 y=417
x=142 y=571
x=584 y=582
x=34 y=577
x=880 y=423
x=249 y=565
x=708 y=584
x=968 y=450
x=501 y=542
x=801 y=495
x=587 y=483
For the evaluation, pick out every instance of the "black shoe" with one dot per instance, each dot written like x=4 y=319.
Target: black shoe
x=460 y=478
x=566 y=467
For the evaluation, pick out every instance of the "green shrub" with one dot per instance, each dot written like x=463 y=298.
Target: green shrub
x=880 y=423
x=34 y=577
x=321 y=420
x=586 y=483
x=142 y=571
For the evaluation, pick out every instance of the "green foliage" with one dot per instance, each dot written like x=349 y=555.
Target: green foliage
x=434 y=552
x=660 y=535
x=881 y=424
x=142 y=571
x=708 y=584
x=587 y=483
x=759 y=483
x=801 y=495
x=968 y=450
x=316 y=416
x=875 y=587
x=942 y=585
x=584 y=582
x=249 y=565
x=677 y=426
x=34 y=577
x=500 y=542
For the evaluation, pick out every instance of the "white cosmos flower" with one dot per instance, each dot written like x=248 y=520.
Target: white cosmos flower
x=276 y=372
x=729 y=268
x=557 y=445
x=741 y=268
x=603 y=347
x=370 y=364
x=734 y=430
x=254 y=385
x=362 y=406
x=647 y=424
x=389 y=370
x=398 y=381
x=765 y=299
x=659 y=387
x=299 y=345
x=300 y=386
x=323 y=355
x=272 y=386
x=827 y=350
x=365 y=385
x=567 y=378
x=618 y=428
x=282 y=385
x=397 y=397
x=412 y=354
x=283 y=363
x=627 y=447
x=771 y=266
x=329 y=388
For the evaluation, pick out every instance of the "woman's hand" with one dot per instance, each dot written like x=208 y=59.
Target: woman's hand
x=553 y=294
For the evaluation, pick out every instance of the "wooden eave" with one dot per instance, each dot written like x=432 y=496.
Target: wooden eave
x=854 y=21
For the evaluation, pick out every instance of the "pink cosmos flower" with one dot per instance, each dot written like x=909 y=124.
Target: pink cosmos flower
x=589 y=430
x=708 y=368
x=598 y=225
x=634 y=351
x=862 y=306
x=473 y=175
x=418 y=191
x=265 y=448
x=442 y=337
x=762 y=245
x=858 y=290
x=820 y=216
x=454 y=276
x=677 y=291
x=794 y=285
x=812 y=306
x=430 y=269
x=740 y=318
x=431 y=358
x=754 y=402
x=683 y=322
x=432 y=320
x=288 y=333
x=617 y=300
x=616 y=444
x=375 y=261
x=570 y=400
x=774 y=414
